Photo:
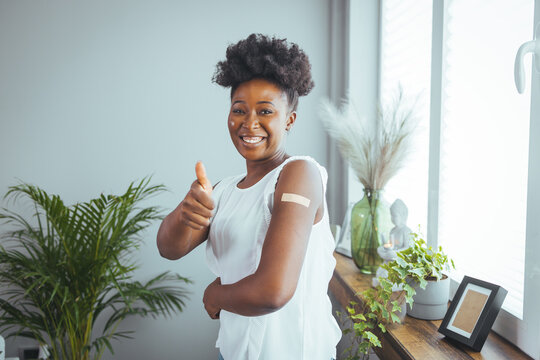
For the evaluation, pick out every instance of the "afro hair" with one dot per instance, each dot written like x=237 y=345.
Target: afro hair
x=272 y=59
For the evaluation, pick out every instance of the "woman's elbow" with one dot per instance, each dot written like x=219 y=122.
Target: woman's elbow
x=168 y=254
x=165 y=250
x=278 y=297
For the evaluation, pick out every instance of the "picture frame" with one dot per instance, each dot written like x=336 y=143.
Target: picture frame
x=343 y=244
x=473 y=311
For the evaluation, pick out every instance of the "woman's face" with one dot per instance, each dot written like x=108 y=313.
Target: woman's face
x=259 y=120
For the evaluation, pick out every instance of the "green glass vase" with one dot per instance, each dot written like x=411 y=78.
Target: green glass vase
x=370 y=221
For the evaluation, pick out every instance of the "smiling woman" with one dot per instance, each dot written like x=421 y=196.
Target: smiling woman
x=258 y=116
x=269 y=239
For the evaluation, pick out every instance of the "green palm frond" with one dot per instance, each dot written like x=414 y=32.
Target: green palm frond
x=63 y=267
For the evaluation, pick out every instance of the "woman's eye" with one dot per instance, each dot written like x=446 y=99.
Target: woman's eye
x=266 y=111
x=237 y=111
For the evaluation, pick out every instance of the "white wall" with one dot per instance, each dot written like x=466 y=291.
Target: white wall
x=96 y=94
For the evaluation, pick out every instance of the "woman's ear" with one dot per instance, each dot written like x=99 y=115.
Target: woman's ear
x=291 y=120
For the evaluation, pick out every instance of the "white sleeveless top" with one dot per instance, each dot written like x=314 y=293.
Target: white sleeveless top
x=303 y=329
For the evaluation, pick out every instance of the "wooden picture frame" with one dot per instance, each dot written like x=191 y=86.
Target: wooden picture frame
x=473 y=312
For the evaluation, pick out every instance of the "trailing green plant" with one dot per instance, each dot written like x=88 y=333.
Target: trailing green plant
x=380 y=305
x=65 y=267
x=378 y=308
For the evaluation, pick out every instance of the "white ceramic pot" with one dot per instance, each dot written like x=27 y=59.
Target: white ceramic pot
x=431 y=303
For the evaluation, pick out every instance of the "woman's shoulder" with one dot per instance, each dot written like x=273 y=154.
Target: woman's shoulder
x=300 y=166
x=298 y=169
x=300 y=159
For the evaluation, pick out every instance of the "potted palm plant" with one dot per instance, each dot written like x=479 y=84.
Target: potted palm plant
x=65 y=267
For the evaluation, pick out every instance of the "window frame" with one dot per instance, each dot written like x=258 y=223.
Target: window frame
x=364 y=55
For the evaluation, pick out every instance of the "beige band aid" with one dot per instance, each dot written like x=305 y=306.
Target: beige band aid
x=295 y=198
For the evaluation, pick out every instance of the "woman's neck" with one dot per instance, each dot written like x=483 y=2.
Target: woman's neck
x=256 y=170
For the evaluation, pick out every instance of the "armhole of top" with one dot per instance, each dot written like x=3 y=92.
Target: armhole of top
x=217 y=191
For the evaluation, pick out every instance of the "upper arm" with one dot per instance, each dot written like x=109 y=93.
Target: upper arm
x=287 y=238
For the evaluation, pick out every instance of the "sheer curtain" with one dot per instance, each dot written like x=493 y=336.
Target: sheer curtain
x=405 y=60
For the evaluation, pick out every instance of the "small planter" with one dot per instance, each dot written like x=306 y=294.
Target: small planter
x=431 y=303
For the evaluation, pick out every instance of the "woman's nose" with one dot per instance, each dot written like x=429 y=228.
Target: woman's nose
x=251 y=121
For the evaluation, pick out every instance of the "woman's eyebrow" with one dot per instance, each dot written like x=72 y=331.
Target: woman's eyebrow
x=258 y=102
x=266 y=102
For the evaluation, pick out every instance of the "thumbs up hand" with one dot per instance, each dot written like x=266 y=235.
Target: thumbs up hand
x=200 y=171
x=196 y=208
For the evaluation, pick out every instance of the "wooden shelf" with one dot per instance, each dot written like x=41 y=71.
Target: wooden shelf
x=414 y=338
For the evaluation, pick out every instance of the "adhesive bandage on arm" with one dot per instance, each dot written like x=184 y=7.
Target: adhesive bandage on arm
x=295 y=198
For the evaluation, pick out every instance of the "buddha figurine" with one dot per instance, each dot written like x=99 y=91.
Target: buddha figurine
x=400 y=235
x=399 y=238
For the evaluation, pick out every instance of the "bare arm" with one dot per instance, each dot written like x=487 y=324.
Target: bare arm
x=187 y=226
x=275 y=280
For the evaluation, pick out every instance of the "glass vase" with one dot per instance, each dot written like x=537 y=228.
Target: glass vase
x=370 y=221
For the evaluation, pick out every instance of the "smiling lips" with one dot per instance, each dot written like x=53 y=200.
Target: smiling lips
x=252 y=139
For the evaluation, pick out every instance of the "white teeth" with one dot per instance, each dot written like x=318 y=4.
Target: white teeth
x=252 y=139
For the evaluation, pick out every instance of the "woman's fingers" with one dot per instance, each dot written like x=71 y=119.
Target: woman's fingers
x=201 y=195
x=209 y=299
x=195 y=221
x=200 y=171
x=212 y=312
x=196 y=208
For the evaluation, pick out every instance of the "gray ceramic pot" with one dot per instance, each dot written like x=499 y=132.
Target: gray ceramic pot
x=430 y=303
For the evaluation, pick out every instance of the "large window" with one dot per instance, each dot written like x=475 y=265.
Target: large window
x=485 y=143
x=467 y=183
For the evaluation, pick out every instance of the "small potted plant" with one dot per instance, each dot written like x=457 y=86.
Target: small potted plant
x=419 y=269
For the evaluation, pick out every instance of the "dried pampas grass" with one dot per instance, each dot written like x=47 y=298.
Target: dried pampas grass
x=376 y=149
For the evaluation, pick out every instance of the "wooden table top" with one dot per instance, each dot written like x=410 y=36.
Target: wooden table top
x=414 y=338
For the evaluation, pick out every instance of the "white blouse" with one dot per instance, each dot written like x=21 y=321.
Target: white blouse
x=303 y=329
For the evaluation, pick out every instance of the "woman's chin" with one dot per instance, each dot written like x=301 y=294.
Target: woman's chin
x=251 y=156
x=250 y=152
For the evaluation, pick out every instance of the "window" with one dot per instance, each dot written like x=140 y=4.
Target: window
x=473 y=190
x=485 y=144
x=405 y=60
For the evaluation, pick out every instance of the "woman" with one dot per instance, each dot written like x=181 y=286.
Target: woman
x=269 y=240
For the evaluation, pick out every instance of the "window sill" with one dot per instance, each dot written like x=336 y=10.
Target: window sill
x=414 y=338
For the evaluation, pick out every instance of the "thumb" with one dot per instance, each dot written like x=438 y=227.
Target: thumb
x=200 y=171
